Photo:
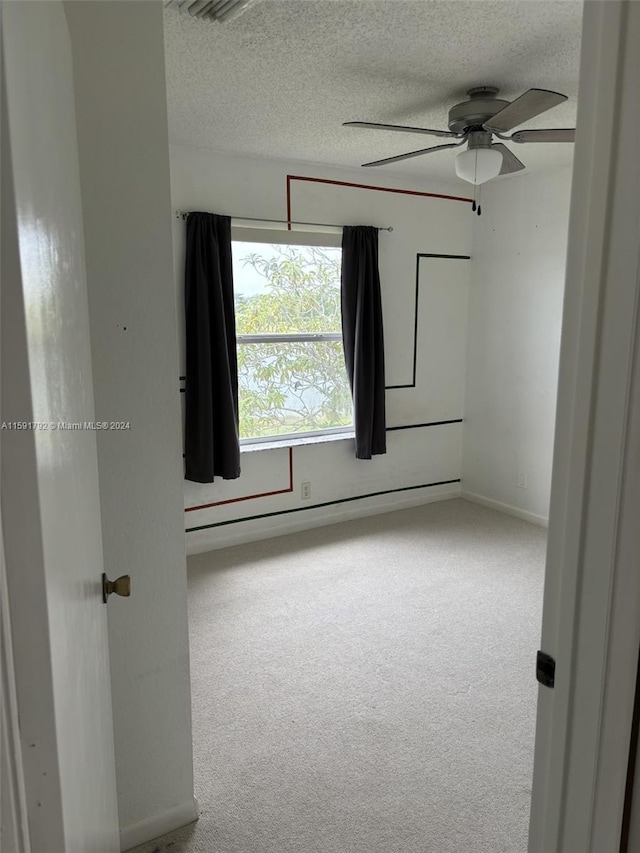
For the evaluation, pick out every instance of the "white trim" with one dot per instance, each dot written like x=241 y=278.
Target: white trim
x=250 y=445
x=14 y=828
x=296 y=439
x=203 y=541
x=293 y=439
x=279 y=235
x=157 y=825
x=277 y=338
x=508 y=509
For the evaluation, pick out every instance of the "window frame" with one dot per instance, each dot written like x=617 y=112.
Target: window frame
x=332 y=240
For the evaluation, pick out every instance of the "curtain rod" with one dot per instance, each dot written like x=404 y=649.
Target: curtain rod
x=181 y=214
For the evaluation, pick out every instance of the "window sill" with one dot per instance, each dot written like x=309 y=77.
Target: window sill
x=278 y=444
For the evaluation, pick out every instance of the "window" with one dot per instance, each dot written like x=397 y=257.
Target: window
x=291 y=372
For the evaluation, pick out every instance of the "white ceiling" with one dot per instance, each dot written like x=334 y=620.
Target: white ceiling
x=279 y=80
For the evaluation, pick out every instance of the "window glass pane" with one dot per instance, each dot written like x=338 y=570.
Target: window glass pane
x=292 y=388
x=286 y=289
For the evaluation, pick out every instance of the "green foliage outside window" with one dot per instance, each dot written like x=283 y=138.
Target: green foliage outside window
x=298 y=386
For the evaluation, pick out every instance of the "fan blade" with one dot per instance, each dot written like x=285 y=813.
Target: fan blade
x=371 y=124
x=559 y=135
x=400 y=157
x=530 y=104
x=510 y=162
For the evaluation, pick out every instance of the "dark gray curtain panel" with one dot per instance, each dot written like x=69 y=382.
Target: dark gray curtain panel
x=211 y=432
x=363 y=337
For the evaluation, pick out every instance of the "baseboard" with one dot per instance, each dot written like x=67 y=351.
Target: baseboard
x=253 y=531
x=152 y=827
x=540 y=520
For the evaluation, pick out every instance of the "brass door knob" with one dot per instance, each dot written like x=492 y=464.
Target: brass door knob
x=121 y=586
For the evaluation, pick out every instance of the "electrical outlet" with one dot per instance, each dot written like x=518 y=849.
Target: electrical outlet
x=523 y=479
x=305 y=491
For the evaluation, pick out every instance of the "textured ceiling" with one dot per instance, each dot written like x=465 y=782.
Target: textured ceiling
x=279 y=80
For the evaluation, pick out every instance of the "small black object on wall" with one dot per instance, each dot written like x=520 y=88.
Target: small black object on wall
x=545 y=669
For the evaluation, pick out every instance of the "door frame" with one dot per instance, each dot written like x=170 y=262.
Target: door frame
x=13 y=805
x=28 y=659
x=39 y=735
x=591 y=618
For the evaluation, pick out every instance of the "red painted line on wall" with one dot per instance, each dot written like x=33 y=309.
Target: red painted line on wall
x=251 y=497
x=291 y=178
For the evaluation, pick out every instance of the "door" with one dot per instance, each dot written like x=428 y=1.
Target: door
x=49 y=476
x=591 y=618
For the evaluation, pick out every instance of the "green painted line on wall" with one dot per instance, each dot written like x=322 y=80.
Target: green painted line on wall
x=419 y=255
x=457 y=257
x=319 y=506
x=419 y=426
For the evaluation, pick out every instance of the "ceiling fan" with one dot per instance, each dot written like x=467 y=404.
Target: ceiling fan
x=475 y=122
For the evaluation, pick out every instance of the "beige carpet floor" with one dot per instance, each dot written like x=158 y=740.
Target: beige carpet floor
x=367 y=687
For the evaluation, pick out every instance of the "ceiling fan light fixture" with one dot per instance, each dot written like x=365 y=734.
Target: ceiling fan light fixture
x=478 y=165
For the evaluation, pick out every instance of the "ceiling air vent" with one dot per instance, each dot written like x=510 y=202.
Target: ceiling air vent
x=219 y=11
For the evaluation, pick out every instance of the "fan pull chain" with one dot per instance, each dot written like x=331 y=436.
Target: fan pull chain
x=475 y=185
x=476 y=207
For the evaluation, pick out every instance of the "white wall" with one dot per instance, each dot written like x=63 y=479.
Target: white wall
x=241 y=186
x=122 y=130
x=515 y=314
